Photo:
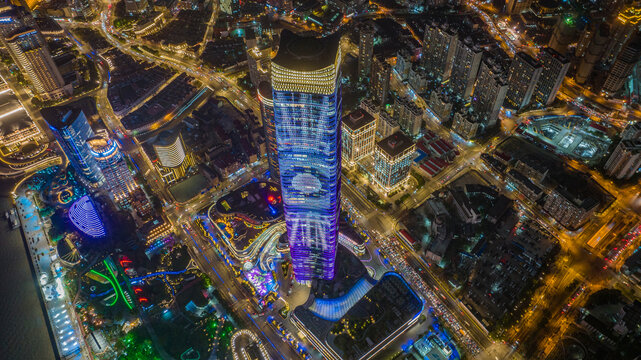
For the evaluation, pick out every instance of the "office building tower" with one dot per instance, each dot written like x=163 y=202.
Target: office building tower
x=522 y=77
x=118 y=179
x=71 y=129
x=439 y=47
x=467 y=124
x=408 y=115
x=269 y=127
x=467 y=60
x=358 y=136
x=393 y=160
x=622 y=67
x=386 y=125
x=489 y=92
x=258 y=62
x=625 y=160
x=366 y=32
x=379 y=86
x=81 y=8
x=307 y=113
x=565 y=32
x=513 y=7
x=593 y=53
x=172 y=159
x=136 y=6
x=403 y=64
x=555 y=66
x=30 y=52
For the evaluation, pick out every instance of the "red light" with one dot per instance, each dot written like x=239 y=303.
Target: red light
x=143 y=299
x=270 y=198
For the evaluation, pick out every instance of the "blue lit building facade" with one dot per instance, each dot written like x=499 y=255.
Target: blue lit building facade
x=71 y=129
x=307 y=114
x=114 y=168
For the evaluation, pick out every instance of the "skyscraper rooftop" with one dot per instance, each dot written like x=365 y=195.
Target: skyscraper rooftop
x=306 y=53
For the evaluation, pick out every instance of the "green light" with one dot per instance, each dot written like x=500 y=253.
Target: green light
x=112 y=285
x=117 y=284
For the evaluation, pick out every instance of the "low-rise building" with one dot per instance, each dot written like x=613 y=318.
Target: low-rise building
x=569 y=210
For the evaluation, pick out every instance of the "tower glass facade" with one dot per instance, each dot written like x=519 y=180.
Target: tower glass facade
x=307 y=113
x=71 y=129
x=114 y=168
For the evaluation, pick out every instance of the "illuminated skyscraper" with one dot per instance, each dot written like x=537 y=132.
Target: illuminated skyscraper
x=30 y=52
x=393 y=160
x=173 y=161
x=269 y=127
x=118 y=178
x=71 y=129
x=523 y=75
x=307 y=112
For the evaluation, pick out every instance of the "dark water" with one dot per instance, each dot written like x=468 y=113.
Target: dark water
x=24 y=334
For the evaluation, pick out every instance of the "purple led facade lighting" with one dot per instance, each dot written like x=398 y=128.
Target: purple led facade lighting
x=85 y=218
x=307 y=114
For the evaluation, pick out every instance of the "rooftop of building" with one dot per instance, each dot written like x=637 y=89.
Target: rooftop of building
x=555 y=54
x=528 y=59
x=357 y=119
x=395 y=144
x=60 y=117
x=166 y=138
x=265 y=90
x=306 y=53
x=631 y=144
x=12 y=119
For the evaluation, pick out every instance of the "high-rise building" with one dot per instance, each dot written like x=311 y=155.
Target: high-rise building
x=565 y=32
x=408 y=115
x=467 y=123
x=403 y=64
x=30 y=52
x=379 y=86
x=593 y=53
x=269 y=127
x=366 y=32
x=439 y=47
x=307 y=113
x=631 y=131
x=523 y=75
x=625 y=160
x=114 y=168
x=489 y=92
x=622 y=29
x=622 y=67
x=513 y=7
x=258 y=61
x=393 y=160
x=81 y=8
x=173 y=160
x=358 y=136
x=555 y=66
x=465 y=68
x=136 y=6
x=71 y=129
x=386 y=125
x=440 y=103
x=418 y=80
x=13 y=18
